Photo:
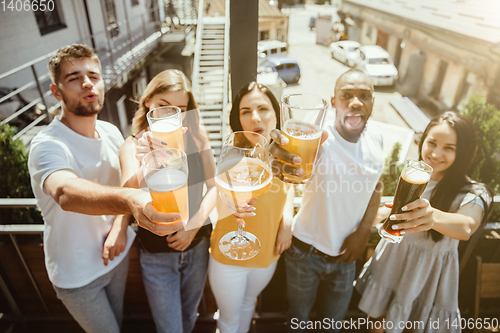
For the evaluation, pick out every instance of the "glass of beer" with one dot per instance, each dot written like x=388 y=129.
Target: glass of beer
x=242 y=173
x=411 y=185
x=166 y=123
x=302 y=117
x=166 y=174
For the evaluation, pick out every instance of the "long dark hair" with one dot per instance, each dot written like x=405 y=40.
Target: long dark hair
x=455 y=180
x=234 y=116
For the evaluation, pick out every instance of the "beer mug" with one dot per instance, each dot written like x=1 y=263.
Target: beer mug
x=166 y=174
x=166 y=123
x=302 y=117
x=411 y=185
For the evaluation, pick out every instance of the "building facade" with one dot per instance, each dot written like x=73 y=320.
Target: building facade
x=444 y=50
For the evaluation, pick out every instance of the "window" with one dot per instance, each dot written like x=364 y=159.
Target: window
x=283 y=50
x=280 y=67
x=378 y=61
x=264 y=35
x=49 y=20
x=274 y=51
x=135 y=2
x=288 y=66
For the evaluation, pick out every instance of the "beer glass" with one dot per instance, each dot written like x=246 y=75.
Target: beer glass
x=411 y=185
x=302 y=117
x=166 y=174
x=243 y=173
x=166 y=123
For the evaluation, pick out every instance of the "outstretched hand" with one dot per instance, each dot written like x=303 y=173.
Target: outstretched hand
x=148 y=142
x=417 y=216
x=282 y=161
x=151 y=219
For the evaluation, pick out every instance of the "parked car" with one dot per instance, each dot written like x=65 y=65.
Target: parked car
x=271 y=48
x=376 y=62
x=287 y=68
x=345 y=51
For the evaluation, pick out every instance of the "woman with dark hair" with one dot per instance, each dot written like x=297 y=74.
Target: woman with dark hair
x=417 y=279
x=174 y=267
x=237 y=283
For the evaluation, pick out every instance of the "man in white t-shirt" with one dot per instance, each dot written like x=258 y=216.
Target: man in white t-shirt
x=339 y=205
x=75 y=176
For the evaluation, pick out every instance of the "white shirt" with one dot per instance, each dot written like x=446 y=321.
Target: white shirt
x=337 y=195
x=73 y=242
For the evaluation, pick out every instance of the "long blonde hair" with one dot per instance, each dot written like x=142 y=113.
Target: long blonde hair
x=166 y=81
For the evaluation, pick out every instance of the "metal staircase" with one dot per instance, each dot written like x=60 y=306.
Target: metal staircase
x=211 y=75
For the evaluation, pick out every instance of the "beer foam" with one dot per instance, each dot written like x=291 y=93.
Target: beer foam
x=167 y=180
x=245 y=174
x=415 y=176
x=165 y=125
x=301 y=130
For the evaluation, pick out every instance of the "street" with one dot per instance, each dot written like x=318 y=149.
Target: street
x=319 y=73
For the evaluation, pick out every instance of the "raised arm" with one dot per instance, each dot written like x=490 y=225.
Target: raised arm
x=422 y=216
x=86 y=197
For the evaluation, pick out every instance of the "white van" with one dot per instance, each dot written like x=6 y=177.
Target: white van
x=271 y=48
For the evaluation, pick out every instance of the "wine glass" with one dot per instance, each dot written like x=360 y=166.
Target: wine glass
x=243 y=173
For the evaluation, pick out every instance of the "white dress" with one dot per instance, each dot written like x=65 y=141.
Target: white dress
x=415 y=280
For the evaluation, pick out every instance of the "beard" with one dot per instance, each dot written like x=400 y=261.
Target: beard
x=81 y=110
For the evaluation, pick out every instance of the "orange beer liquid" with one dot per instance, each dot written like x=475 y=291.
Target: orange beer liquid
x=170 y=132
x=244 y=178
x=168 y=189
x=304 y=141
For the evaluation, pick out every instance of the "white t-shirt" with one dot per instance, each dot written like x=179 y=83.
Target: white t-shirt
x=73 y=242
x=337 y=195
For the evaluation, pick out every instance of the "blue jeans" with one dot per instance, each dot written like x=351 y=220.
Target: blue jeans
x=98 y=306
x=174 y=283
x=310 y=276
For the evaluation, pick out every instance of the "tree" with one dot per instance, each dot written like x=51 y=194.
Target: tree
x=15 y=178
x=485 y=167
x=392 y=170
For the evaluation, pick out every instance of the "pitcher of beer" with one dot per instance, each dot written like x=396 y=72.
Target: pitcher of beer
x=166 y=123
x=302 y=117
x=411 y=185
x=166 y=174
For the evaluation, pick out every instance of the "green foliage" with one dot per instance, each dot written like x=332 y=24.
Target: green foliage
x=485 y=167
x=392 y=170
x=486 y=119
x=15 y=178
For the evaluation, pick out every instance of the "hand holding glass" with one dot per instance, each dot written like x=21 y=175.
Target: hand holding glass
x=302 y=117
x=411 y=185
x=166 y=123
x=242 y=173
x=166 y=174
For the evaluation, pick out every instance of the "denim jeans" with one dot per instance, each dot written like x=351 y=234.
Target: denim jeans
x=98 y=306
x=311 y=277
x=174 y=283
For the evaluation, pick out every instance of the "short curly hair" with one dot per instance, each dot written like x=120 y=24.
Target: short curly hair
x=70 y=52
